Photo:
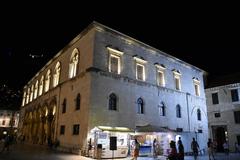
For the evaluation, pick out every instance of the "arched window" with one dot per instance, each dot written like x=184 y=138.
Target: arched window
x=31 y=95
x=41 y=86
x=78 y=101
x=47 y=80
x=178 y=111
x=162 y=109
x=112 y=102
x=24 y=98
x=36 y=90
x=199 y=115
x=56 y=75
x=140 y=106
x=73 y=63
x=28 y=95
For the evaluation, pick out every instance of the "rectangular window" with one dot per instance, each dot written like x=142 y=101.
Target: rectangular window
x=140 y=71
x=62 y=130
x=197 y=89
x=238 y=139
x=217 y=115
x=177 y=83
x=234 y=94
x=114 y=64
x=3 y=122
x=76 y=129
x=64 y=106
x=160 y=78
x=179 y=129
x=200 y=131
x=237 y=116
x=215 y=98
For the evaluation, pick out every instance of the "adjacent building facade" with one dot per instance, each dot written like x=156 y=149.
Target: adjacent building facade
x=106 y=81
x=8 y=122
x=223 y=107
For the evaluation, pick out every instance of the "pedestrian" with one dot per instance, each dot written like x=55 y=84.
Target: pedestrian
x=173 y=152
x=89 y=147
x=237 y=148
x=226 y=148
x=155 y=148
x=195 y=148
x=210 y=149
x=136 y=149
x=6 y=143
x=180 y=150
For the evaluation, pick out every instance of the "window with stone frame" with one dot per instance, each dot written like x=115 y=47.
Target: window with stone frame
x=160 y=74
x=234 y=95
x=73 y=65
x=215 y=98
x=76 y=129
x=196 y=84
x=178 y=111
x=64 y=105
x=47 y=80
x=62 y=129
x=56 y=75
x=237 y=117
x=36 y=90
x=140 y=106
x=177 y=79
x=140 y=72
x=41 y=86
x=112 y=105
x=115 y=56
x=199 y=116
x=78 y=101
x=162 y=109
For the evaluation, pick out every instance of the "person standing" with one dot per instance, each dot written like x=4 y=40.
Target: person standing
x=210 y=149
x=195 y=148
x=173 y=152
x=6 y=143
x=225 y=147
x=180 y=150
x=136 y=149
x=155 y=148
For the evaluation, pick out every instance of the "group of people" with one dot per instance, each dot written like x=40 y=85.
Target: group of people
x=173 y=154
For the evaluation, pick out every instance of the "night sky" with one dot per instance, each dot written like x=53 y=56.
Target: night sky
x=207 y=37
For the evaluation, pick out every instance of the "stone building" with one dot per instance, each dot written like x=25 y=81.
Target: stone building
x=223 y=108
x=105 y=80
x=8 y=122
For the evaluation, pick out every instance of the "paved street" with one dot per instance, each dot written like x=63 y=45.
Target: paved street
x=33 y=152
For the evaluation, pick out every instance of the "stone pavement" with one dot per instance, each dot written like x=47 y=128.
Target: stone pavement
x=36 y=152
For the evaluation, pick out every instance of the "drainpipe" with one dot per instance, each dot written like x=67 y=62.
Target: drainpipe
x=188 y=94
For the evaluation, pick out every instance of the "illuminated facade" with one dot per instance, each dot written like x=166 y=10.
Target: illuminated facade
x=8 y=121
x=105 y=78
x=223 y=107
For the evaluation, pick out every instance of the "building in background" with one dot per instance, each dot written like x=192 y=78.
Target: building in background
x=106 y=84
x=223 y=107
x=8 y=122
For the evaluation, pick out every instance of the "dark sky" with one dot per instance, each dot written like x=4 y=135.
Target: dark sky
x=205 y=36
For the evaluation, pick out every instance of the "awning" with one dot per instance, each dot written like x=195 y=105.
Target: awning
x=152 y=128
x=115 y=129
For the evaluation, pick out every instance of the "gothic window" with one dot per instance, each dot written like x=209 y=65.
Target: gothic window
x=199 y=115
x=73 y=63
x=31 y=94
x=24 y=98
x=112 y=102
x=140 y=106
x=162 y=109
x=41 y=86
x=36 y=90
x=56 y=75
x=47 y=80
x=178 y=111
x=28 y=95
